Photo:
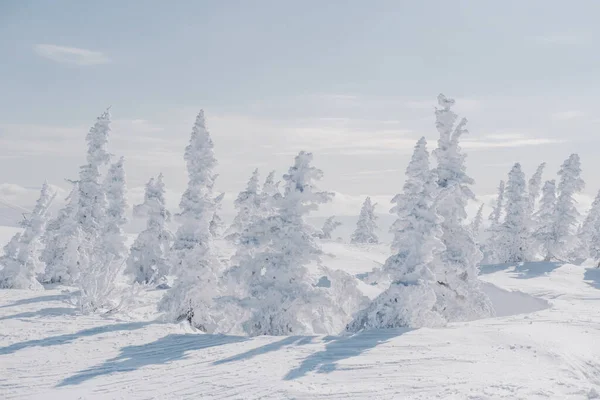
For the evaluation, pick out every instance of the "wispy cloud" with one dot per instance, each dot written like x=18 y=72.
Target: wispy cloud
x=567 y=115
x=71 y=55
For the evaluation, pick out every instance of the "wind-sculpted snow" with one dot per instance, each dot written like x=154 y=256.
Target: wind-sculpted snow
x=540 y=345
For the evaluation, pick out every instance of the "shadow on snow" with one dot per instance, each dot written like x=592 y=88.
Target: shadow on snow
x=70 y=337
x=287 y=341
x=164 y=350
x=593 y=275
x=40 y=299
x=340 y=348
x=530 y=270
x=45 y=312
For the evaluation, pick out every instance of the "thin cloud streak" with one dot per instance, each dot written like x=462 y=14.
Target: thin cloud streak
x=71 y=55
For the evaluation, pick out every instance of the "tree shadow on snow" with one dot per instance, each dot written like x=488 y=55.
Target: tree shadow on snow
x=530 y=270
x=70 y=337
x=593 y=275
x=40 y=299
x=492 y=268
x=164 y=350
x=287 y=341
x=45 y=312
x=341 y=348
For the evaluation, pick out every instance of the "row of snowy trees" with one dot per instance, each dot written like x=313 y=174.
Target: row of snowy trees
x=276 y=283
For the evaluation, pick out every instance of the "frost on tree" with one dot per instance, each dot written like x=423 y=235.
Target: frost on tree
x=410 y=300
x=459 y=294
x=566 y=215
x=21 y=260
x=513 y=236
x=194 y=261
x=543 y=220
x=148 y=260
x=216 y=223
x=477 y=223
x=366 y=225
x=330 y=225
x=247 y=204
x=279 y=291
x=535 y=185
x=494 y=252
x=60 y=252
x=589 y=232
x=496 y=213
x=113 y=236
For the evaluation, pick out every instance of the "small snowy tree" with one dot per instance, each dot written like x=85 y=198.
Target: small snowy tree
x=566 y=215
x=493 y=250
x=544 y=220
x=21 y=255
x=60 y=252
x=247 y=205
x=216 y=223
x=148 y=260
x=194 y=261
x=279 y=292
x=588 y=231
x=496 y=213
x=514 y=235
x=459 y=294
x=410 y=301
x=112 y=230
x=366 y=225
x=535 y=185
x=477 y=223
x=330 y=225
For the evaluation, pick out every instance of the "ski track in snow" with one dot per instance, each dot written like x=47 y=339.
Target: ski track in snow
x=542 y=345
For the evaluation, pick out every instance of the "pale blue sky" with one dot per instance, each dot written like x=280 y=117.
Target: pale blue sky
x=353 y=81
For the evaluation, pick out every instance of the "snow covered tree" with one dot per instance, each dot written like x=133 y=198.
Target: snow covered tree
x=279 y=291
x=566 y=215
x=543 y=232
x=535 y=185
x=216 y=223
x=459 y=294
x=410 y=301
x=194 y=262
x=477 y=223
x=366 y=225
x=60 y=252
x=247 y=205
x=330 y=225
x=115 y=219
x=148 y=260
x=21 y=255
x=588 y=231
x=496 y=213
x=513 y=233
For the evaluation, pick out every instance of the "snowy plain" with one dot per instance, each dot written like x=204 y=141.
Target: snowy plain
x=542 y=344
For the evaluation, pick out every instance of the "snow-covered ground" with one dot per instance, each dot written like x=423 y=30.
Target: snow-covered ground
x=543 y=344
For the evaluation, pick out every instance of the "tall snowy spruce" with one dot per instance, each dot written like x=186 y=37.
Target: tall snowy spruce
x=60 y=252
x=247 y=205
x=477 y=223
x=113 y=235
x=330 y=225
x=566 y=216
x=366 y=225
x=216 y=223
x=514 y=237
x=21 y=259
x=496 y=214
x=459 y=296
x=493 y=250
x=148 y=260
x=411 y=299
x=535 y=185
x=279 y=292
x=588 y=233
x=543 y=220
x=193 y=259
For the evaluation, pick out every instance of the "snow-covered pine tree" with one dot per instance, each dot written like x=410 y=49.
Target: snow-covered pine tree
x=194 y=262
x=366 y=225
x=498 y=209
x=493 y=250
x=216 y=223
x=566 y=215
x=330 y=225
x=514 y=235
x=410 y=301
x=148 y=260
x=543 y=220
x=21 y=259
x=60 y=251
x=477 y=223
x=247 y=204
x=459 y=294
x=113 y=236
x=279 y=291
x=588 y=231
x=535 y=185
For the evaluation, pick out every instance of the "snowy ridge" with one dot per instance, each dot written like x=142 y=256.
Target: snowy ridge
x=540 y=346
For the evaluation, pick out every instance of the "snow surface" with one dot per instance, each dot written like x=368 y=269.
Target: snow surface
x=541 y=345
